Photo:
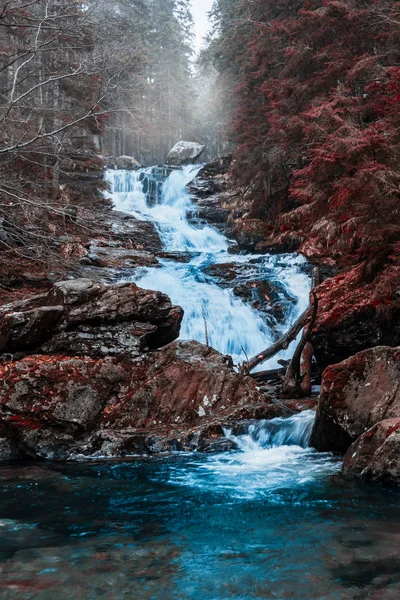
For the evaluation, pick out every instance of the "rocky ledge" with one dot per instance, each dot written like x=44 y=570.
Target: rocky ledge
x=90 y=369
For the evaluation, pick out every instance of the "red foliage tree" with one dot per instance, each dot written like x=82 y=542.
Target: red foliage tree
x=317 y=121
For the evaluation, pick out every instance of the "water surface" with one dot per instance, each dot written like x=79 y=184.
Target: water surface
x=273 y=521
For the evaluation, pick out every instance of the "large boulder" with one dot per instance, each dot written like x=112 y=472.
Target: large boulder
x=356 y=394
x=84 y=317
x=184 y=383
x=184 y=153
x=176 y=398
x=376 y=454
x=127 y=162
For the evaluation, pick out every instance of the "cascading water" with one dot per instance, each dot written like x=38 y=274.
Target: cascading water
x=272 y=520
x=271 y=452
x=273 y=455
x=273 y=433
x=232 y=326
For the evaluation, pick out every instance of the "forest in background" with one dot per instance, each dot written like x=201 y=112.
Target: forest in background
x=306 y=92
x=80 y=82
x=315 y=119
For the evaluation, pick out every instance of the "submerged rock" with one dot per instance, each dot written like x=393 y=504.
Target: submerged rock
x=184 y=153
x=357 y=394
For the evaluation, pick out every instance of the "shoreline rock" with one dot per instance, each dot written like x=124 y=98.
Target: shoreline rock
x=90 y=368
x=58 y=407
x=376 y=454
x=357 y=394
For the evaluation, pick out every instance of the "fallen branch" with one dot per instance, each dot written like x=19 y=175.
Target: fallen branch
x=292 y=382
x=270 y=375
x=284 y=342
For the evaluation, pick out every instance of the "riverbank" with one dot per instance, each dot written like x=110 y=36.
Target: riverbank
x=138 y=250
x=85 y=368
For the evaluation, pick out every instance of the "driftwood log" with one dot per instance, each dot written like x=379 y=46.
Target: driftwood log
x=293 y=379
x=293 y=376
x=282 y=344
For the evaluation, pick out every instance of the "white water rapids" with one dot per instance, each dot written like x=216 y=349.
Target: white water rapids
x=233 y=327
x=274 y=454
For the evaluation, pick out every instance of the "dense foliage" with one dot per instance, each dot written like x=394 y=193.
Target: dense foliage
x=77 y=79
x=53 y=83
x=317 y=97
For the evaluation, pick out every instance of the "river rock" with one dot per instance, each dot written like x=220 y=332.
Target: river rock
x=219 y=166
x=127 y=162
x=110 y=255
x=81 y=316
x=184 y=153
x=357 y=394
x=376 y=453
x=208 y=209
x=226 y=272
x=59 y=406
x=268 y=296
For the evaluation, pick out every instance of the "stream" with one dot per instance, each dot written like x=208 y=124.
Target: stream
x=274 y=520
x=233 y=326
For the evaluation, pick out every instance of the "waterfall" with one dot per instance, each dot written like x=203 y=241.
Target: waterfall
x=274 y=457
x=274 y=433
x=233 y=326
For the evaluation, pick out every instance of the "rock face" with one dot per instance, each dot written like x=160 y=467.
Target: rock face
x=353 y=317
x=248 y=233
x=58 y=406
x=86 y=317
x=356 y=395
x=376 y=454
x=127 y=162
x=184 y=153
x=87 y=371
